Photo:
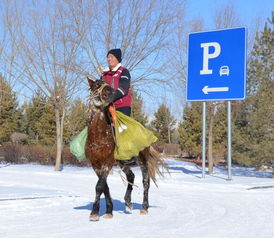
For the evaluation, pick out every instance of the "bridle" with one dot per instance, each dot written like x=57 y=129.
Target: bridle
x=98 y=92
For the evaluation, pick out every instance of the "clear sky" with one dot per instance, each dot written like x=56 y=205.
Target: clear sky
x=248 y=10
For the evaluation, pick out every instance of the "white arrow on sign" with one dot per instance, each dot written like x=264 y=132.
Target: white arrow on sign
x=207 y=90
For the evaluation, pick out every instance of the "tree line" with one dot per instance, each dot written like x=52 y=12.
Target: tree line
x=36 y=119
x=48 y=48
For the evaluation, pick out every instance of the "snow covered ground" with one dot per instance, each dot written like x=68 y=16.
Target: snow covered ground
x=37 y=202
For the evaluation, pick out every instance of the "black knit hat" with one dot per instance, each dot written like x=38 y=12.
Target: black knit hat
x=117 y=53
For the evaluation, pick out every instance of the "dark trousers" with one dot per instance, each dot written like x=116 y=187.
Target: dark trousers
x=125 y=110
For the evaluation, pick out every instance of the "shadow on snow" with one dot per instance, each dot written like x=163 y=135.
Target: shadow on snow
x=185 y=171
x=118 y=206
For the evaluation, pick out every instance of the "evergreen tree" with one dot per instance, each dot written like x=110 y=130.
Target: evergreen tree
x=220 y=130
x=254 y=144
x=41 y=120
x=76 y=119
x=8 y=111
x=163 y=124
x=137 y=109
x=190 y=129
x=22 y=119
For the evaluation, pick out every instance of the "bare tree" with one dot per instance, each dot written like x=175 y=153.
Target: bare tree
x=255 y=27
x=62 y=41
x=179 y=46
x=177 y=58
x=48 y=50
x=140 y=28
x=8 y=49
x=226 y=16
x=3 y=33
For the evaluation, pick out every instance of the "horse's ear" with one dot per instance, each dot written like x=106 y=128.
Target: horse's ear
x=90 y=82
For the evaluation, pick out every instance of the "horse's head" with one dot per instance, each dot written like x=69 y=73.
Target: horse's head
x=101 y=93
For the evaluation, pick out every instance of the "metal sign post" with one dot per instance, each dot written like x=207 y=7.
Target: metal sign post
x=229 y=140
x=204 y=140
x=217 y=71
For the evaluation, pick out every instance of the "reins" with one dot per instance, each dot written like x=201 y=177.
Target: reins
x=114 y=129
x=125 y=181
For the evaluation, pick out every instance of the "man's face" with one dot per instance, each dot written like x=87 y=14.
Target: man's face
x=112 y=61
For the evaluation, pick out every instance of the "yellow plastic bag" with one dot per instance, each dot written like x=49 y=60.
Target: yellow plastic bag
x=77 y=145
x=132 y=137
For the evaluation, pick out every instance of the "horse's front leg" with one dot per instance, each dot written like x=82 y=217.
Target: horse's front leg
x=130 y=178
x=101 y=187
x=146 y=184
x=109 y=204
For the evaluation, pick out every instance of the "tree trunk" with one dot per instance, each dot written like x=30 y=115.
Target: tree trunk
x=169 y=135
x=59 y=138
x=36 y=138
x=210 y=141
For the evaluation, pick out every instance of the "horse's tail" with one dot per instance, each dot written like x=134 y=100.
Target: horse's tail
x=156 y=165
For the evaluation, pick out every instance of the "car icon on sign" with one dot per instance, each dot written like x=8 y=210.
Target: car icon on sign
x=224 y=70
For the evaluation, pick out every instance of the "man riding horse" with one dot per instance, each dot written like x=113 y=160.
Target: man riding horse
x=118 y=77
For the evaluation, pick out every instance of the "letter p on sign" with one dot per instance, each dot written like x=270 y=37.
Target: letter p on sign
x=206 y=55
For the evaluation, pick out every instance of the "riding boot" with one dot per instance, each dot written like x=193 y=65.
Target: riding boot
x=130 y=162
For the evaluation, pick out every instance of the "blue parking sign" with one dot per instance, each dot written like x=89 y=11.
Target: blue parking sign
x=217 y=65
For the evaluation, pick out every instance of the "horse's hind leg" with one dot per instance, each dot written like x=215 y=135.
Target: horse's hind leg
x=130 y=178
x=100 y=188
x=146 y=184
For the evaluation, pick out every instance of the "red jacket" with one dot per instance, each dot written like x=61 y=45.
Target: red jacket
x=120 y=81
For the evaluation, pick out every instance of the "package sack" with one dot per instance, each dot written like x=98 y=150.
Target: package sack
x=131 y=138
x=78 y=143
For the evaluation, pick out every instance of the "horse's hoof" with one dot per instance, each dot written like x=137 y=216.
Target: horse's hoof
x=143 y=212
x=129 y=208
x=94 y=217
x=108 y=216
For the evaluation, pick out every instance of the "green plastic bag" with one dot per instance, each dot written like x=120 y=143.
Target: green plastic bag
x=131 y=136
x=77 y=145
